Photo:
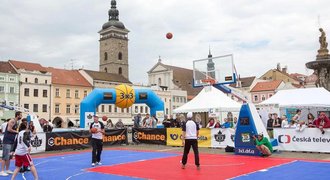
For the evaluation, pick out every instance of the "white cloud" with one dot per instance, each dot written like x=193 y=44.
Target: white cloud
x=258 y=33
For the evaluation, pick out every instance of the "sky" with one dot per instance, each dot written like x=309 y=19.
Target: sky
x=259 y=34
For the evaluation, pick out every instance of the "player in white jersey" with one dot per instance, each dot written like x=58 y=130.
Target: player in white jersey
x=22 y=149
x=97 y=130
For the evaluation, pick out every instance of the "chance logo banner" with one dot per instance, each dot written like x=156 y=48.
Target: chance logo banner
x=149 y=135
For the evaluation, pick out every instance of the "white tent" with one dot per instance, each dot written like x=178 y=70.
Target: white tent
x=309 y=97
x=209 y=98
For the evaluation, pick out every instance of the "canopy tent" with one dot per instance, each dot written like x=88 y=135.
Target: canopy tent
x=209 y=98
x=309 y=97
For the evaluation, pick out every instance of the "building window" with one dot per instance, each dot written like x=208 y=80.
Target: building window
x=68 y=108
x=136 y=109
x=122 y=110
x=12 y=90
x=46 y=81
x=76 y=94
x=35 y=107
x=68 y=93
x=26 y=106
x=270 y=95
x=2 y=89
x=44 y=108
x=26 y=91
x=120 y=70
x=159 y=81
x=44 y=93
x=57 y=92
x=120 y=56
x=2 y=78
x=102 y=108
x=36 y=80
x=57 y=108
x=76 y=108
x=166 y=111
x=85 y=93
x=97 y=109
x=116 y=109
x=263 y=98
x=110 y=108
x=26 y=80
x=11 y=79
x=141 y=109
x=127 y=110
x=105 y=69
x=146 y=109
x=105 y=56
x=173 y=98
x=255 y=98
x=35 y=92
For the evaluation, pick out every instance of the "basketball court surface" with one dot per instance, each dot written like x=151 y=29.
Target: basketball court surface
x=128 y=164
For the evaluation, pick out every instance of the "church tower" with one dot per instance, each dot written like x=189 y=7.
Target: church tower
x=114 y=44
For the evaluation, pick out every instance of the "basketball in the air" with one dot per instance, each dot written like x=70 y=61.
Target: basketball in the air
x=169 y=35
x=104 y=118
x=125 y=96
x=93 y=130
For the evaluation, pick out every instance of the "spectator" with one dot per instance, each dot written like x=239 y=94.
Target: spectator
x=109 y=124
x=4 y=126
x=154 y=121
x=234 y=123
x=176 y=121
x=263 y=145
x=198 y=120
x=285 y=123
x=137 y=120
x=322 y=122
x=226 y=124
x=310 y=120
x=8 y=142
x=217 y=124
x=277 y=121
x=211 y=123
x=293 y=124
x=270 y=123
x=182 y=120
x=119 y=124
x=296 y=117
x=47 y=128
x=147 y=121
x=166 y=122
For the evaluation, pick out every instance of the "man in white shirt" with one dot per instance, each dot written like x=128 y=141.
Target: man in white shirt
x=190 y=132
x=97 y=140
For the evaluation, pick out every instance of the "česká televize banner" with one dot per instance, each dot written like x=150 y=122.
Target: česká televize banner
x=149 y=135
x=310 y=139
x=81 y=139
x=174 y=137
x=38 y=143
x=222 y=137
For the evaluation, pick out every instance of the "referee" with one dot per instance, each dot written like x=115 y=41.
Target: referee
x=190 y=132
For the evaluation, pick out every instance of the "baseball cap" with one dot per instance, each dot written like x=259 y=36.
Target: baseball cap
x=189 y=115
x=95 y=115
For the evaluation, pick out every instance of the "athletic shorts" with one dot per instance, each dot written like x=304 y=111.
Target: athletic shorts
x=6 y=148
x=24 y=160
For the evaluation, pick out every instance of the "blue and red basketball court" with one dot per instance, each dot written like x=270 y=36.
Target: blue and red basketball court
x=128 y=164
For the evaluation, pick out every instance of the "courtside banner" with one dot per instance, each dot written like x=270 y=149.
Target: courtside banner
x=174 y=136
x=149 y=135
x=222 y=138
x=67 y=140
x=310 y=139
x=115 y=136
x=204 y=139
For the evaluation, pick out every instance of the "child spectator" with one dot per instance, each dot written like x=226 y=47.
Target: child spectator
x=310 y=120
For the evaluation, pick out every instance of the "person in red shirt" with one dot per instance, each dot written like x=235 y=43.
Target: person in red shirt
x=322 y=122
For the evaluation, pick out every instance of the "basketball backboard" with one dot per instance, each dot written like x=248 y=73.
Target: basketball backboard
x=214 y=70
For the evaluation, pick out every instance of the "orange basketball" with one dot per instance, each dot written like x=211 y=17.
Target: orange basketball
x=104 y=118
x=93 y=130
x=169 y=35
x=125 y=96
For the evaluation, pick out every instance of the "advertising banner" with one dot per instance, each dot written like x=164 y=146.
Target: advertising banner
x=149 y=135
x=81 y=139
x=222 y=138
x=310 y=139
x=174 y=137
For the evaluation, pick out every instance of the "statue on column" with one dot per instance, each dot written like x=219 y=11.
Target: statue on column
x=323 y=40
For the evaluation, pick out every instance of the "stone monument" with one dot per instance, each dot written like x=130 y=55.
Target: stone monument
x=321 y=65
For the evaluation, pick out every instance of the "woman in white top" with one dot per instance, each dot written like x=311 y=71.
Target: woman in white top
x=285 y=123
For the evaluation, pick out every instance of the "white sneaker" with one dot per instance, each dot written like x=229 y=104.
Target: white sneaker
x=98 y=163
x=9 y=172
x=3 y=174
x=93 y=164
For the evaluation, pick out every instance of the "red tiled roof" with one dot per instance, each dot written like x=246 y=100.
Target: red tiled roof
x=68 y=77
x=5 y=67
x=298 y=85
x=27 y=66
x=311 y=78
x=104 y=76
x=266 y=86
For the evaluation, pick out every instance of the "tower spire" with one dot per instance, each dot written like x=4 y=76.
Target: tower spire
x=210 y=55
x=113 y=12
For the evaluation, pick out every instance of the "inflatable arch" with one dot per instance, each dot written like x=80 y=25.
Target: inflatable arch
x=109 y=96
